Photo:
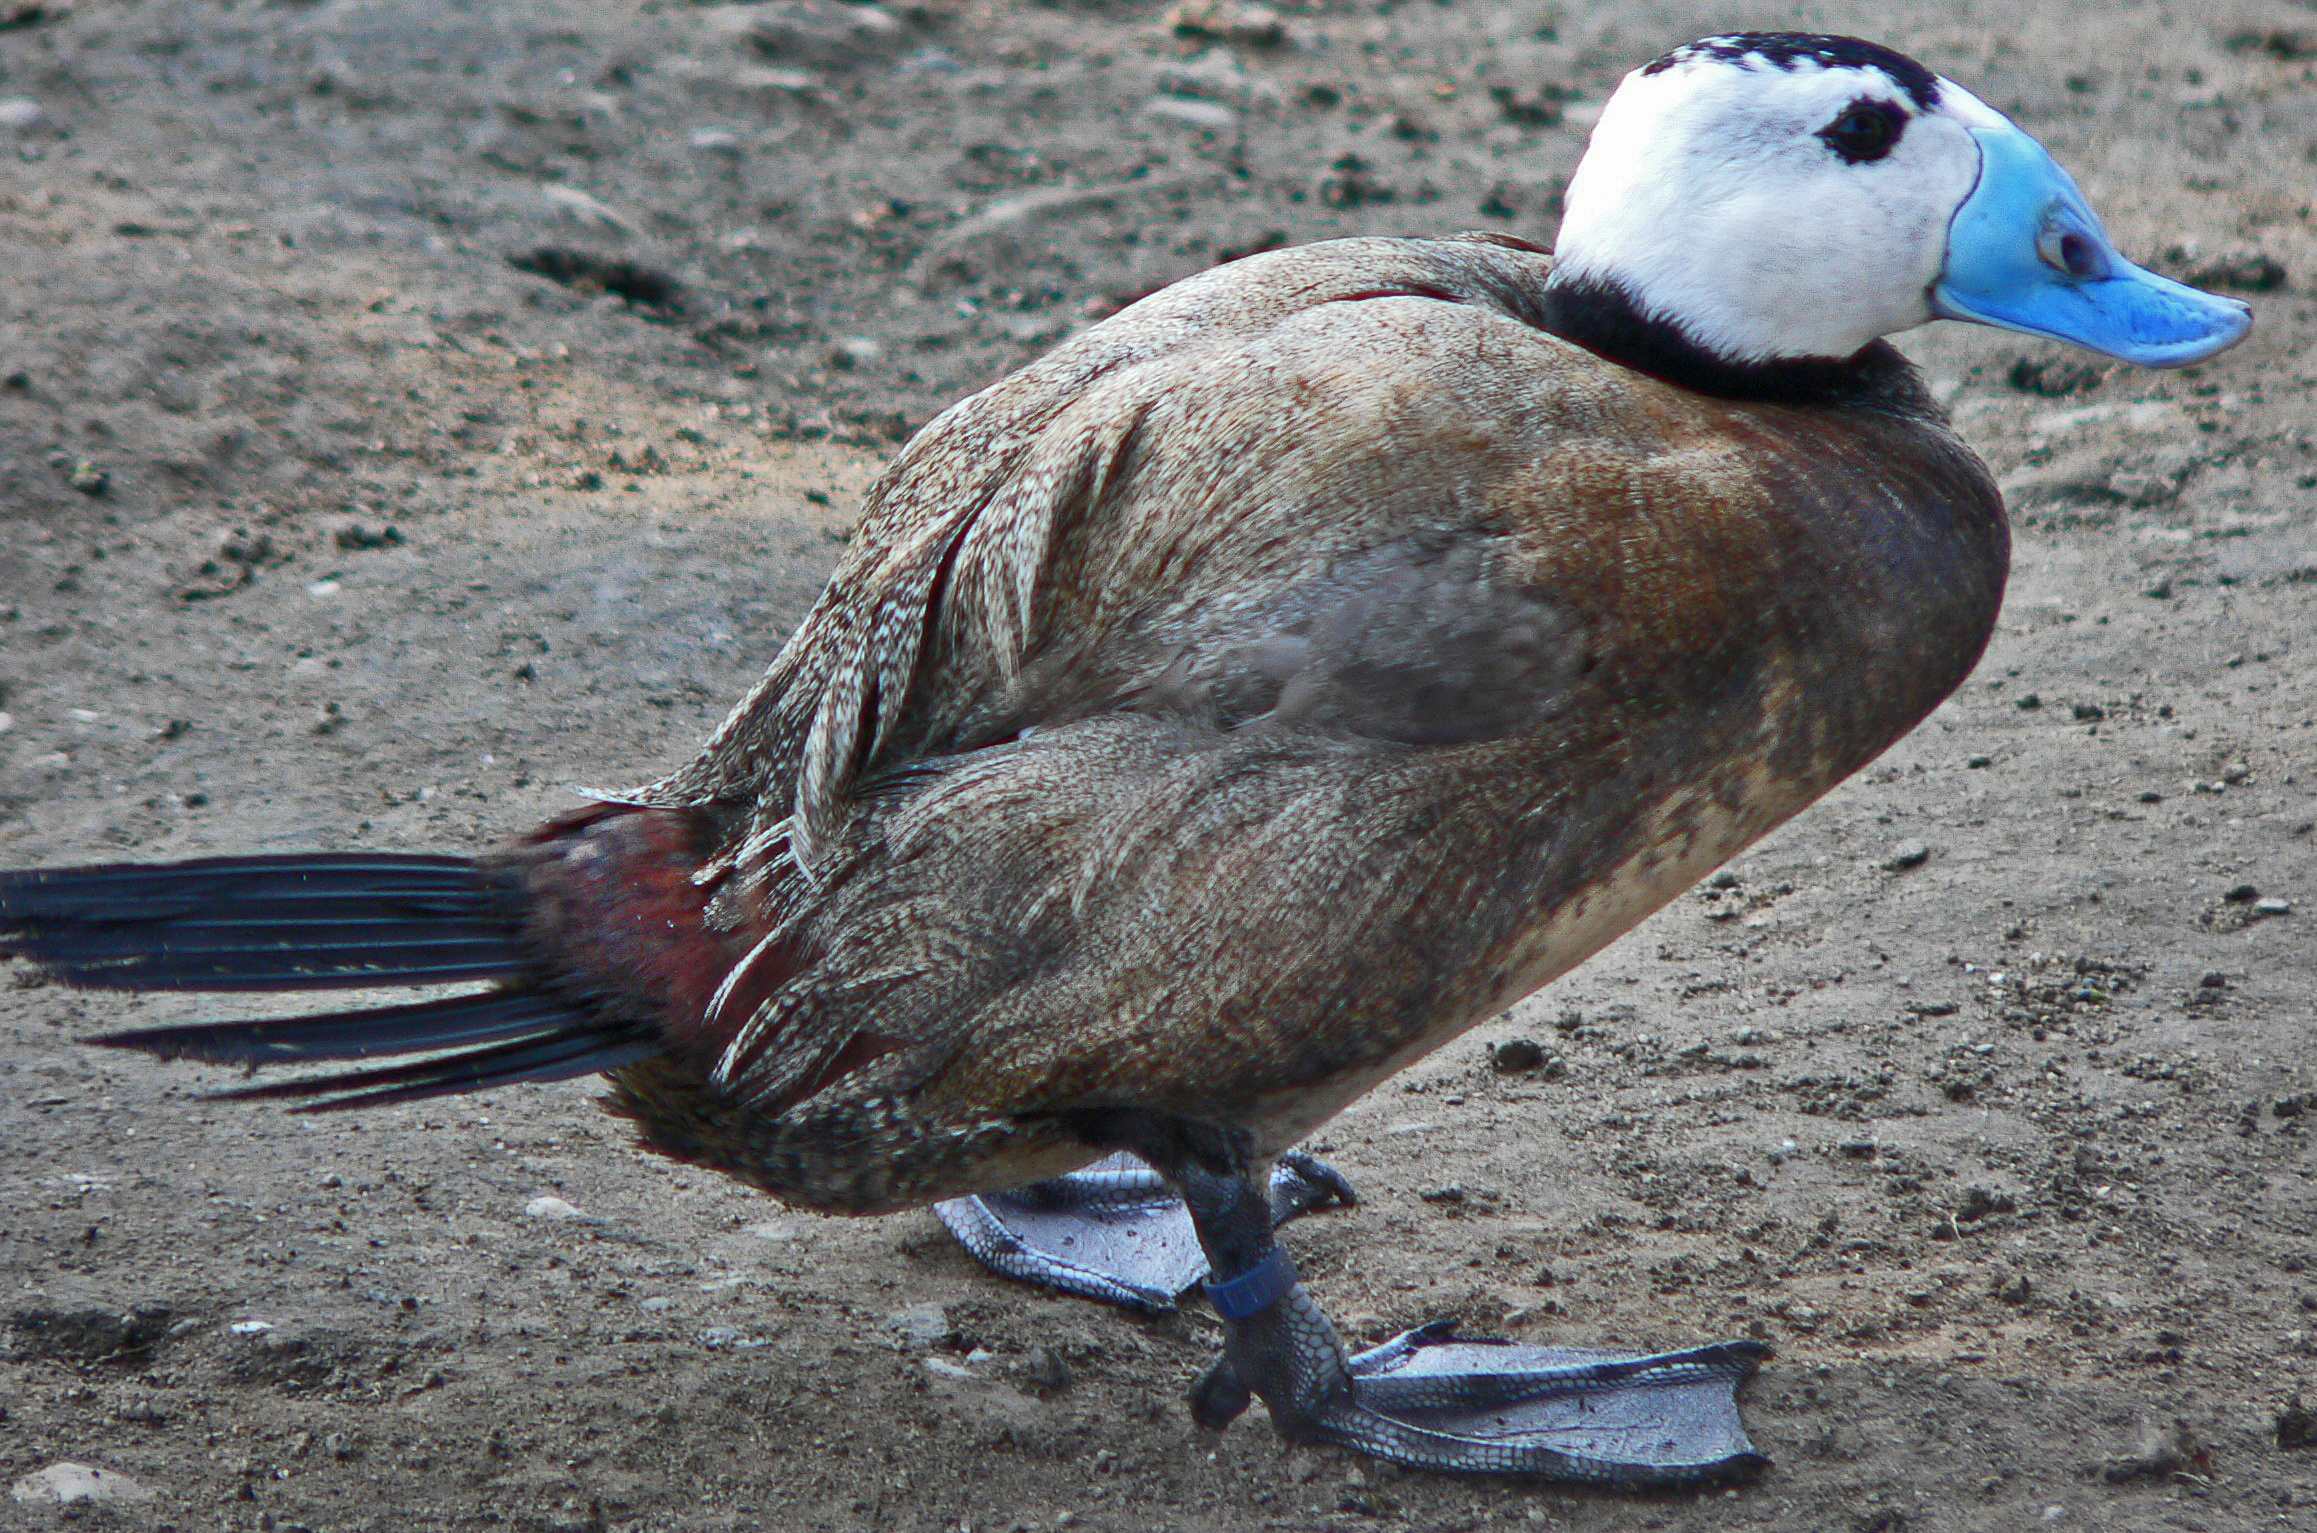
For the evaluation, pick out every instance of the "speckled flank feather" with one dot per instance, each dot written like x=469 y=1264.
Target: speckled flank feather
x=1270 y=683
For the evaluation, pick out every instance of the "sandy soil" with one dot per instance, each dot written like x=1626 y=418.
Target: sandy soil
x=409 y=409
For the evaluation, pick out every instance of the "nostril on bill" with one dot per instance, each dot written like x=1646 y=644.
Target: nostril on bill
x=2067 y=250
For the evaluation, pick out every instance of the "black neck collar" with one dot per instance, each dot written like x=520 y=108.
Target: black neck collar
x=1602 y=317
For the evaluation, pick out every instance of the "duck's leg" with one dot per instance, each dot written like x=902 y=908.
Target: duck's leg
x=1115 y=1231
x=1431 y=1401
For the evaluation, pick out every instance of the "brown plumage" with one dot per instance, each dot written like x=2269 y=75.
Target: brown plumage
x=1208 y=720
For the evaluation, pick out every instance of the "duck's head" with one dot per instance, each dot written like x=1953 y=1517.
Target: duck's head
x=1775 y=198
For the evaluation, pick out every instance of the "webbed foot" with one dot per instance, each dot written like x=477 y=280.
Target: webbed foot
x=1115 y=1231
x=1431 y=1400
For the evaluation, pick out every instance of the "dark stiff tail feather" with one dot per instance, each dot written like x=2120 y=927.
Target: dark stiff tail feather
x=312 y=922
x=297 y=922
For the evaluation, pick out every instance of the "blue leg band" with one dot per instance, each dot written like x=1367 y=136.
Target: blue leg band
x=1253 y=1291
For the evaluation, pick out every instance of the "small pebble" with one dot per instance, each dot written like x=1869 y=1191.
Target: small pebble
x=1907 y=854
x=1256 y=26
x=929 y=61
x=2161 y=1452
x=2138 y=488
x=2272 y=906
x=66 y=1483
x=1515 y=1055
x=22 y=114
x=1204 y=116
x=1978 y=1203
x=1048 y=1369
x=2296 y=1426
x=356 y=535
x=549 y=1207
x=921 y=1325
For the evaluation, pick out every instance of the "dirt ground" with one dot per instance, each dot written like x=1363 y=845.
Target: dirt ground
x=409 y=409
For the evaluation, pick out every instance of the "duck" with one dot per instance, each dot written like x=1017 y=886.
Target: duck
x=1230 y=707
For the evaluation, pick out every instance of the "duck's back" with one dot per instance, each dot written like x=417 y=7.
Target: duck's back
x=1279 y=678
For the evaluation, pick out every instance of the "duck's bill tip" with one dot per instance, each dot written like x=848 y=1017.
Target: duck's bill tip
x=2132 y=315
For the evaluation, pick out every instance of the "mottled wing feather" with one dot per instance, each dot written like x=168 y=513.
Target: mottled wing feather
x=1426 y=640
x=951 y=572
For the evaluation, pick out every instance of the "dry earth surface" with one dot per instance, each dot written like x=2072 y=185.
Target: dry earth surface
x=410 y=409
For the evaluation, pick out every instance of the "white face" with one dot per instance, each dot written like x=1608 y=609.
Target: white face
x=1773 y=204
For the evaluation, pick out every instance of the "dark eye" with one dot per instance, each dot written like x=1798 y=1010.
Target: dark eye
x=1866 y=130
